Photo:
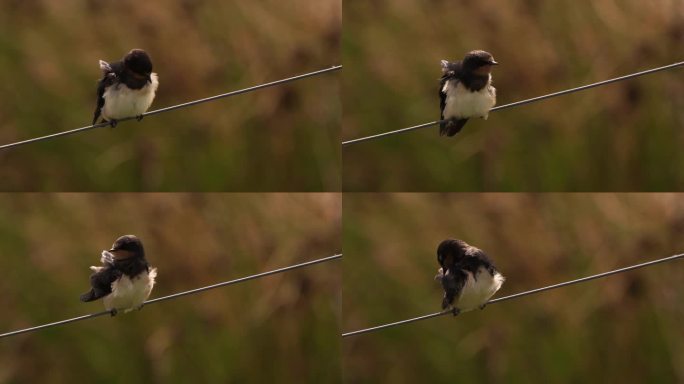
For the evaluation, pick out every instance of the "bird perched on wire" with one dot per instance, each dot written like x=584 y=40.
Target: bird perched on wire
x=127 y=88
x=465 y=91
x=124 y=280
x=467 y=275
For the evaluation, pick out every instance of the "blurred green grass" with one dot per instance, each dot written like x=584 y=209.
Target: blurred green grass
x=620 y=137
x=281 y=328
x=284 y=138
x=624 y=328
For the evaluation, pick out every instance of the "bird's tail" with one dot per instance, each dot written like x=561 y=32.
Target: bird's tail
x=89 y=296
x=451 y=127
x=446 y=301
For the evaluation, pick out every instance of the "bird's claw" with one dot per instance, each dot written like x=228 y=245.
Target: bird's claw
x=483 y=306
x=113 y=312
x=139 y=117
x=113 y=123
x=455 y=311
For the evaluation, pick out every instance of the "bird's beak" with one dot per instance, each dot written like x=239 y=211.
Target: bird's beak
x=149 y=79
x=492 y=62
x=112 y=250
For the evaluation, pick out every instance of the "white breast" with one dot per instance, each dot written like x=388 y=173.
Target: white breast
x=462 y=103
x=128 y=294
x=121 y=101
x=478 y=291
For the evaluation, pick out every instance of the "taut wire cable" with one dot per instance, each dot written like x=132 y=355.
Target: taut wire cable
x=177 y=295
x=520 y=294
x=177 y=106
x=521 y=102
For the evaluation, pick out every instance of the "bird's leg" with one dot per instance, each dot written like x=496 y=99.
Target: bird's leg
x=113 y=123
x=139 y=117
x=113 y=312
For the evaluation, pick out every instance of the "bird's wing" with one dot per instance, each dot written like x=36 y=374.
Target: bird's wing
x=442 y=96
x=448 y=128
x=476 y=258
x=450 y=71
x=111 y=72
x=101 y=85
x=101 y=283
x=453 y=283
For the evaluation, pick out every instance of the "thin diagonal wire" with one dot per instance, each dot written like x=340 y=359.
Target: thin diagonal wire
x=177 y=295
x=242 y=279
x=521 y=102
x=178 y=106
x=520 y=294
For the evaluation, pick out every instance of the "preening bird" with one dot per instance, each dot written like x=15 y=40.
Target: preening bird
x=465 y=91
x=127 y=88
x=468 y=276
x=125 y=280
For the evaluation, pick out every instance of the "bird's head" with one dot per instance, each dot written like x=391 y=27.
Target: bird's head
x=138 y=63
x=126 y=247
x=478 y=62
x=450 y=252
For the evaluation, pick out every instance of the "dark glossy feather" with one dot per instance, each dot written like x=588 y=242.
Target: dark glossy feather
x=110 y=75
x=457 y=258
x=450 y=71
x=101 y=281
x=453 y=284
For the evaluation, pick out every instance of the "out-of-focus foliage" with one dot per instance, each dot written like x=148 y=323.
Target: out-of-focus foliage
x=281 y=328
x=284 y=138
x=624 y=328
x=625 y=136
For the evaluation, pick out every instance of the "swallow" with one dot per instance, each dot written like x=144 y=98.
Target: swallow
x=125 y=280
x=127 y=88
x=468 y=276
x=465 y=91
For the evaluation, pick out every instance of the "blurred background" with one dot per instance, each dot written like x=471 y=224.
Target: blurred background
x=623 y=328
x=280 y=328
x=284 y=138
x=621 y=137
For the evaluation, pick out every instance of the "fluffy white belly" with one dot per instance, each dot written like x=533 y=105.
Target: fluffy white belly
x=477 y=292
x=460 y=102
x=121 y=101
x=128 y=294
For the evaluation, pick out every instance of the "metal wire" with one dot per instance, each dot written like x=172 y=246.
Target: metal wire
x=173 y=107
x=520 y=294
x=521 y=102
x=176 y=295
